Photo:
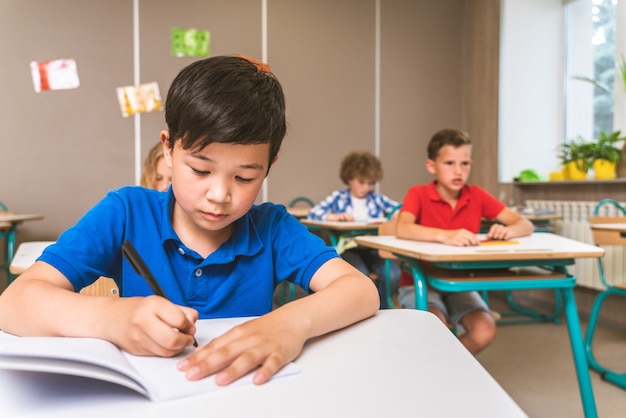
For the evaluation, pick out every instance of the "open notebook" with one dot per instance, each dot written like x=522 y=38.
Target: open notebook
x=156 y=378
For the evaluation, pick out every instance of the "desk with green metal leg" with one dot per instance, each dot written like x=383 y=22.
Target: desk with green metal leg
x=339 y=229
x=8 y=227
x=539 y=261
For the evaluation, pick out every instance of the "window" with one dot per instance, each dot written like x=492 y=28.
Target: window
x=590 y=67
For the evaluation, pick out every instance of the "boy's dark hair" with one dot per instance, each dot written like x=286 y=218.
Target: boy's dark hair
x=360 y=165
x=225 y=99
x=444 y=137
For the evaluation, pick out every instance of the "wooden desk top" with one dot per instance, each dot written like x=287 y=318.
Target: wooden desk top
x=345 y=226
x=299 y=213
x=19 y=217
x=363 y=370
x=538 y=246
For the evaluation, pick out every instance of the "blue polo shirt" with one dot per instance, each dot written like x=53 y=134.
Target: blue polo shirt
x=268 y=246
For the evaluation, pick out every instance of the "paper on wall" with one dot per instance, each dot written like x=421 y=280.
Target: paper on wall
x=190 y=42
x=60 y=74
x=143 y=98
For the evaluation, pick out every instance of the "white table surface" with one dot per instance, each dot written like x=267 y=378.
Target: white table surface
x=611 y=227
x=399 y=363
x=345 y=225
x=26 y=254
x=540 y=245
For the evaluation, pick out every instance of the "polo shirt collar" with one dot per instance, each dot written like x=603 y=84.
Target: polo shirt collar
x=464 y=196
x=244 y=241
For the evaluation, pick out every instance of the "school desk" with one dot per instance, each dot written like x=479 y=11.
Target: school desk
x=616 y=228
x=299 y=212
x=28 y=252
x=398 y=363
x=8 y=226
x=338 y=229
x=484 y=268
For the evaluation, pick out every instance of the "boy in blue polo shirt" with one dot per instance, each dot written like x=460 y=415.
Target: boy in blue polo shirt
x=214 y=252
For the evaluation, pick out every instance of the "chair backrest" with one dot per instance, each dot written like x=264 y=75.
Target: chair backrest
x=607 y=237
x=301 y=199
x=3 y=207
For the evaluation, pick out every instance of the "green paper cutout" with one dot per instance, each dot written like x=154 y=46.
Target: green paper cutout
x=190 y=42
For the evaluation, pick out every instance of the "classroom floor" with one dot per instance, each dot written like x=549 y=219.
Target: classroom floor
x=533 y=363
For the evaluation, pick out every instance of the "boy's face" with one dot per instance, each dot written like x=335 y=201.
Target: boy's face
x=360 y=187
x=217 y=185
x=451 y=168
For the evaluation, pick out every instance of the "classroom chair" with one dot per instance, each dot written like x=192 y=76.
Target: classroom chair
x=301 y=199
x=602 y=238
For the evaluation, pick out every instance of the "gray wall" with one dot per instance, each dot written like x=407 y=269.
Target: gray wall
x=61 y=151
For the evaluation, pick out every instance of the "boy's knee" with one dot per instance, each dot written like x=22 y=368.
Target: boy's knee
x=481 y=326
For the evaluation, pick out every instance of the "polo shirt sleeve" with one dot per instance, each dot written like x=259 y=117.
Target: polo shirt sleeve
x=90 y=248
x=491 y=207
x=412 y=201
x=298 y=253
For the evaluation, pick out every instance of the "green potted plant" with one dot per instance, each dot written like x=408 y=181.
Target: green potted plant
x=604 y=155
x=574 y=156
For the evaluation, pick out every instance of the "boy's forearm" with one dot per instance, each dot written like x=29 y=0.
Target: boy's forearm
x=38 y=308
x=417 y=232
x=348 y=299
x=521 y=228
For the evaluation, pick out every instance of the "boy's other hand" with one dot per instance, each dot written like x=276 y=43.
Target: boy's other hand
x=152 y=326
x=340 y=217
x=499 y=232
x=458 y=237
x=265 y=342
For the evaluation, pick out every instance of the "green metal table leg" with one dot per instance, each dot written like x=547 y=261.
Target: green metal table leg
x=578 y=351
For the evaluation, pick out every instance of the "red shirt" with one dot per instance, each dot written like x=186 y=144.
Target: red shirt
x=431 y=210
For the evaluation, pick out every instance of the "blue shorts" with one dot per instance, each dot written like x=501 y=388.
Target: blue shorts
x=454 y=305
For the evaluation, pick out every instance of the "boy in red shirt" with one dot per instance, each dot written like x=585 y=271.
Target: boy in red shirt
x=449 y=211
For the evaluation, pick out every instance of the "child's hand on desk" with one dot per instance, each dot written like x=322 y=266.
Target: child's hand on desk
x=499 y=232
x=458 y=237
x=266 y=341
x=152 y=325
x=341 y=217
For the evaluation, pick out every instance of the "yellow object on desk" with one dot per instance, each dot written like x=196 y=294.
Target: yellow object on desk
x=498 y=242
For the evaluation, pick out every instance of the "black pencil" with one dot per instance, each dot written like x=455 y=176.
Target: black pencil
x=135 y=260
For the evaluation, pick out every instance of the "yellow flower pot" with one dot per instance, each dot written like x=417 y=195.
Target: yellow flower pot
x=604 y=169
x=572 y=172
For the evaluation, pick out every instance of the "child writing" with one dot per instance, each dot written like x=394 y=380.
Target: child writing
x=156 y=174
x=214 y=253
x=450 y=211
x=360 y=171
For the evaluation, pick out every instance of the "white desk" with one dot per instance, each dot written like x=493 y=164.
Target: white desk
x=26 y=254
x=399 y=363
x=338 y=229
x=541 y=249
x=8 y=226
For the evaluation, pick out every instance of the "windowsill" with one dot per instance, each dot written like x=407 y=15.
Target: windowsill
x=618 y=180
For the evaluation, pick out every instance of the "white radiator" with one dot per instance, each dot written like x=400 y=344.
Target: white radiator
x=575 y=225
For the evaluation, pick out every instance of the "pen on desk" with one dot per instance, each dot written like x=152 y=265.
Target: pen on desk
x=142 y=269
